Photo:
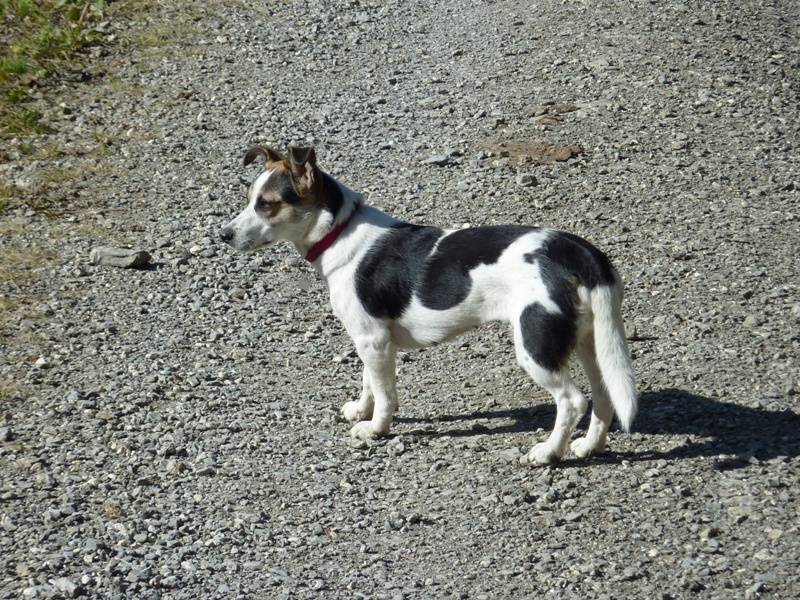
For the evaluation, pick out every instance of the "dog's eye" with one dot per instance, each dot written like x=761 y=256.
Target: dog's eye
x=261 y=203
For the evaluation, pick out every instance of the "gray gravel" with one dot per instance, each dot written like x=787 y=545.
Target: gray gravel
x=171 y=431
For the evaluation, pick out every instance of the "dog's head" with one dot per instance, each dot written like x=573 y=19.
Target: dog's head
x=280 y=202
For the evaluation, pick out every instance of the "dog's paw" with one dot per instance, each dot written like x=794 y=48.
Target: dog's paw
x=366 y=430
x=584 y=447
x=540 y=454
x=354 y=412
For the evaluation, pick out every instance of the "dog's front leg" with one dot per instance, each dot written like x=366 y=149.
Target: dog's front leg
x=379 y=355
x=361 y=409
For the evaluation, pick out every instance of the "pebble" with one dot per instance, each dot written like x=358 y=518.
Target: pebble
x=750 y=321
x=67 y=587
x=527 y=180
x=440 y=160
x=119 y=257
x=511 y=454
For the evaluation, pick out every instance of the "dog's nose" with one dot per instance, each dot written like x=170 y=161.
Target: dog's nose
x=226 y=235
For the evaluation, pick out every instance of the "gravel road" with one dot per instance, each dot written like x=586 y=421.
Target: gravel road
x=172 y=431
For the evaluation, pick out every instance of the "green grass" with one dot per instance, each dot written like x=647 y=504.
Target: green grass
x=40 y=40
x=6 y=194
x=19 y=263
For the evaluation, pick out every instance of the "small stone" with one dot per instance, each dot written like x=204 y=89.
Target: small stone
x=5 y=434
x=136 y=575
x=527 y=180
x=113 y=508
x=44 y=479
x=774 y=534
x=119 y=257
x=93 y=545
x=750 y=321
x=630 y=330
x=510 y=455
x=68 y=587
x=177 y=262
x=430 y=103
x=438 y=159
x=175 y=467
x=51 y=515
x=38 y=591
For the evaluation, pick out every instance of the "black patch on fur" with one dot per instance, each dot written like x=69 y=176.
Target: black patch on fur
x=447 y=281
x=561 y=287
x=332 y=195
x=279 y=186
x=565 y=254
x=389 y=273
x=548 y=337
x=565 y=262
x=400 y=265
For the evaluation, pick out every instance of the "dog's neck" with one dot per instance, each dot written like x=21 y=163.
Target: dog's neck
x=330 y=238
x=338 y=208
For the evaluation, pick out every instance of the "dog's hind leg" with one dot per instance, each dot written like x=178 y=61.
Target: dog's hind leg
x=544 y=341
x=379 y=356
x=361 y=409
x=602 y=410
x=570 y=407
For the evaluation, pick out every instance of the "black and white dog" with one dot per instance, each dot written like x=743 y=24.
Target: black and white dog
x=397 y=285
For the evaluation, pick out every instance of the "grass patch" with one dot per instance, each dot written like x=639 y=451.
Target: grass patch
x=18 y=264
x=40 y=39
x=19 y=120
x=164 y=34
x=6 y=194
x=8 y=391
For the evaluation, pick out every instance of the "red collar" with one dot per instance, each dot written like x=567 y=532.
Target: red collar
x=317 y=249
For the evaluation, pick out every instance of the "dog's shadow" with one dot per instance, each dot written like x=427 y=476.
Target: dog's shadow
x=713 y=428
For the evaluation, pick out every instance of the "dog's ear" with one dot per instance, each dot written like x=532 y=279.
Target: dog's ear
x=306 y=176
x=269 y=155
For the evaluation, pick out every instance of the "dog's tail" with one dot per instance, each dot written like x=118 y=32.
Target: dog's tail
x=612 y=351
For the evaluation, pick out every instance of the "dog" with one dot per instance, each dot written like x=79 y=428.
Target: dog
x=399 y=285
